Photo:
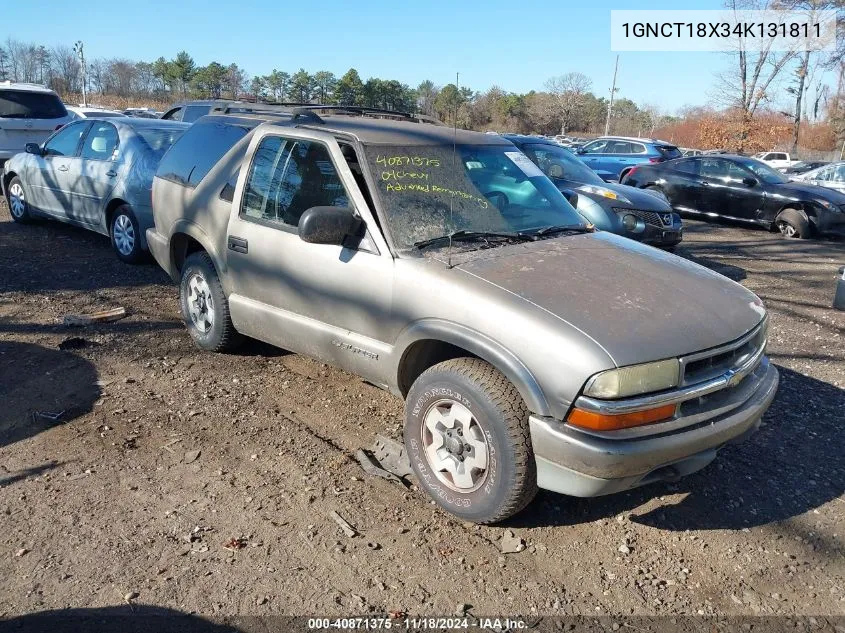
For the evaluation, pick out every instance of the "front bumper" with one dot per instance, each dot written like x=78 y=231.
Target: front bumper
x=576 y=463
x=831 y=223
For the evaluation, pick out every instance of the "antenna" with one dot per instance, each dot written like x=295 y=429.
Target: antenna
x=454 y=165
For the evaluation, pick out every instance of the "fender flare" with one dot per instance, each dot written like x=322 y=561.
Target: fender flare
x=186 y=227
x=481 y=346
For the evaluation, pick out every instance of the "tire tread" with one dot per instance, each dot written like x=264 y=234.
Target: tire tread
x=507 y=399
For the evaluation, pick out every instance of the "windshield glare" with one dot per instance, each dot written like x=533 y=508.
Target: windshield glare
x=764 y=172
x=558 y=163
x=428 y=191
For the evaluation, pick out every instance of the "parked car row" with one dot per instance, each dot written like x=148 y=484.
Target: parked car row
x=745 y=189
x=444 y=265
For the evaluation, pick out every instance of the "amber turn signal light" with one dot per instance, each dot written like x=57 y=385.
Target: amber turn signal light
x=602 y=422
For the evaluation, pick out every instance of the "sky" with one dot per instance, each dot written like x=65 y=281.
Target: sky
x=514 y=44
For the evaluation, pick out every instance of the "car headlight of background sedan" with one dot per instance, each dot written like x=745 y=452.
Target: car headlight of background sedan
x=604 y=193
x=634 y=380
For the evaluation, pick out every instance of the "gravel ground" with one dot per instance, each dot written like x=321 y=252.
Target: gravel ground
x=203 y=483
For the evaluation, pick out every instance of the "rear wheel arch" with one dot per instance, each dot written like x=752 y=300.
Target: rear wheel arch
x=425 y=344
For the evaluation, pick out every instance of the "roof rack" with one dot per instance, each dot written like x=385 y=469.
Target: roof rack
x=307 y=111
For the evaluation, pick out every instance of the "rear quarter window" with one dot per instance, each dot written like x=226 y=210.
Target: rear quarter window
x=198 y=150
x=22 y=104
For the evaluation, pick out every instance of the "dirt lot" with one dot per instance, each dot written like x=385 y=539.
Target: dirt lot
x=203 y=483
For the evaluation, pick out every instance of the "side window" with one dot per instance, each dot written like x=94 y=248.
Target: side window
x=839 y=174
x=66 y=141
x=289 y=176
x=637 y=148
x=779 y=156
x=619 y=147
x=736 y=172
x=597 y=147
x=824 y=174
x=714 y=168
x=686 y=166
x=101 y=142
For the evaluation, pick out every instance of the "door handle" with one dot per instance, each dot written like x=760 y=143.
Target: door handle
x=238 y=244
x=63 y=167
x=111 y=173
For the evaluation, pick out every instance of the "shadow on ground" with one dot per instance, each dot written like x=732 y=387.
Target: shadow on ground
x=42 y=388
x=121 y=619
x=795 y=463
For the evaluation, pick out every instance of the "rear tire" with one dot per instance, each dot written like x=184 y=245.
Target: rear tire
x=205 y=308
x=126 y=235
x=16 y=199
x=467 y=437
x=792 y=223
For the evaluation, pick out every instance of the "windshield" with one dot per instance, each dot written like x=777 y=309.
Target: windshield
x=558 y=163
x=763 y=171
x=428 y=191
x=21 y=104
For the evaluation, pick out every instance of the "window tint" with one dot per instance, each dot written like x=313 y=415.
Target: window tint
x=289 y=176
x=65 y=142
x=724 y=169
x=777 y=157
x=824 y=174
x=670 y=151
x=193 y=112
x=21 y=104
x=159 y=140
x=686 y=166
x=637 y=148
x=597 y=147
x=557 y=162
x=198 y=150
x=101 y=142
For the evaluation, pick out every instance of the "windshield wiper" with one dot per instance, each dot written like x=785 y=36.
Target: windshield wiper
x=562 y=228
x=464 y=235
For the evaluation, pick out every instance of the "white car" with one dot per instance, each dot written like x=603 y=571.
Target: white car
x=86 y=112
x=775 y=160
x=29 y=113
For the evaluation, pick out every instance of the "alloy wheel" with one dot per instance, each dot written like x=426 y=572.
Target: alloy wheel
x=124 y=235
x=455 y=446
x=200 y=303
x=17 y=200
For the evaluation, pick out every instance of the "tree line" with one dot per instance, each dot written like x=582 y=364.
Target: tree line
x=565 y=105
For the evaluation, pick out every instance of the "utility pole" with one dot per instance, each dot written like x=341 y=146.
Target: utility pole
x=77 y=48
x=612 y=92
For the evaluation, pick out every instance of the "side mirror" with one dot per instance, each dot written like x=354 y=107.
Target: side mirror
x=328 y=225
x=33 y=148
x=751 y=182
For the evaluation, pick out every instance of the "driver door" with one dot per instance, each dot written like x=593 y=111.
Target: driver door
x=328 y=301
x=49 y=176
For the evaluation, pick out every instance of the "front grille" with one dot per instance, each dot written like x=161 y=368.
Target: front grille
x=701 y=367
x=649 y=217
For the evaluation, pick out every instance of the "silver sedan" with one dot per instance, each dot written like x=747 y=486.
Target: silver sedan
x=95 y=173
x=831 y=176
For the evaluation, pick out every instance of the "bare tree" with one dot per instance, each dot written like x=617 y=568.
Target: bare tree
x=749 y=84
x=569 y=91
x=66 y=64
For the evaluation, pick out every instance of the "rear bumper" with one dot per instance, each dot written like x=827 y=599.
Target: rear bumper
x=572 y=462
x=160 y=250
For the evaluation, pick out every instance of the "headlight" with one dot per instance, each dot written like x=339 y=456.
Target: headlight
x=604 y=192
x=634 y=380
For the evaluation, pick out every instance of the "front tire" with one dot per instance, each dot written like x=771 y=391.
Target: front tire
x=126 y=235
x=205 y=308
x=16 y=198
x=793 y=224
x=467 y=436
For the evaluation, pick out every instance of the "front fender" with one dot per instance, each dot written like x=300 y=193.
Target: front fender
x=480 y=345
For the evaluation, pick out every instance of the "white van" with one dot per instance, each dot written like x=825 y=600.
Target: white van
x=29 y=113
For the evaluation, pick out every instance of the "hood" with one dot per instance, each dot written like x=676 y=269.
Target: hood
x=639 y=303
x=813 y=191
x=640 y=198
